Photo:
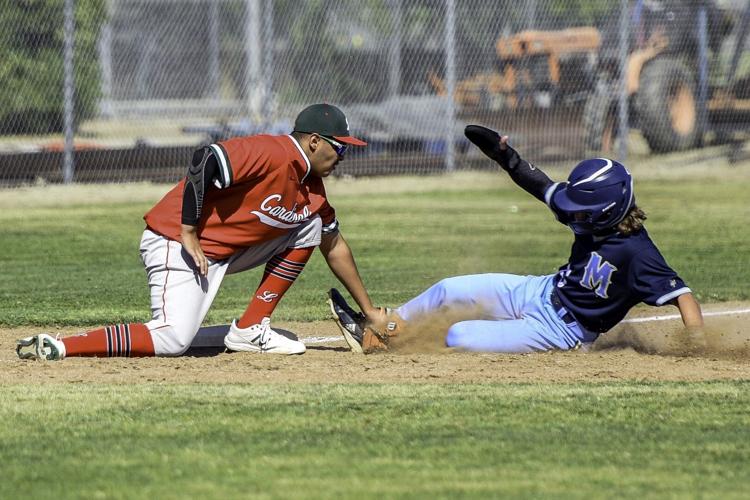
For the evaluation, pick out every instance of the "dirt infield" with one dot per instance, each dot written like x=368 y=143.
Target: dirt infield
x=648 y=351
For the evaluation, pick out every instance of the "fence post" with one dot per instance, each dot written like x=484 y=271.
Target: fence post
x=105 y=62
x=253 y=52
x=394 y=48
x=268 y=59
x=531 y=14
x=68 y=87
x=702 y=72
x=450 y=84
x=214 y=50
x=622 y=153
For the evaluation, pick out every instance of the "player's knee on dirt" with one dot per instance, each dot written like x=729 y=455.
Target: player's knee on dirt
x=168 y=340
x=175 y=348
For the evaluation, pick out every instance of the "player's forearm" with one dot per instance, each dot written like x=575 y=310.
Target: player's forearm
x=690 y=310
x=191 y=243
x=527 y=176
x=340 y=260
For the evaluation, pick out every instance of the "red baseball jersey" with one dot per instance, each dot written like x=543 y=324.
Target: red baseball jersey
x=267 y=190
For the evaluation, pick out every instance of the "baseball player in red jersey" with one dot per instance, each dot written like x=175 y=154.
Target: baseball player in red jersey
x=244 y=202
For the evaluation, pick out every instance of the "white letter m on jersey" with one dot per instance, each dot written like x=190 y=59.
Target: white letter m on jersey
x=598 y=275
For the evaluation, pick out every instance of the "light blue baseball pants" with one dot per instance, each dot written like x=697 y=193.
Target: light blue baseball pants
x=517 y=315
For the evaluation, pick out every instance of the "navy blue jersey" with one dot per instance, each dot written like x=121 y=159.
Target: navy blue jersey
x=607 y=275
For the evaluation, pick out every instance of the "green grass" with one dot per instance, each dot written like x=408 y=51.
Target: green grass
x=78 y=263
x=630 y=440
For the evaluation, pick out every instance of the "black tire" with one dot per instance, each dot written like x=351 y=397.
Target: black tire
x=600 y=118
x=666 y=104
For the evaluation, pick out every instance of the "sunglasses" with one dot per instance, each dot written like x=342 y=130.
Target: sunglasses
x=337 y=146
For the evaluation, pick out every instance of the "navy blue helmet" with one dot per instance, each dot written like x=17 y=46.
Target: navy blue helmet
x=596 y=197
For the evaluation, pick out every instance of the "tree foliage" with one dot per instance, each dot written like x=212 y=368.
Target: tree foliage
x=31 y=63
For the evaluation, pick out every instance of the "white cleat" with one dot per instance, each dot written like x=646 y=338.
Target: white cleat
x=42 y=346
x=261 y=338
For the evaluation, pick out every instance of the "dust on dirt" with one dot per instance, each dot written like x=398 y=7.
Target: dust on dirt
x=724 y=336
x=427 y=334
x=650 y=351
x=727 y=337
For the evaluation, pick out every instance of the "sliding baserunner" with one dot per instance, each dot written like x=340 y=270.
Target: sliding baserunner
x=613 y=266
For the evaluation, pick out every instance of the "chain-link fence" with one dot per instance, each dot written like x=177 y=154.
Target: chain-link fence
x=123 y=90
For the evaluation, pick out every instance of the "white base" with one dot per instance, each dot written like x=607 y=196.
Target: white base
x=213 y=336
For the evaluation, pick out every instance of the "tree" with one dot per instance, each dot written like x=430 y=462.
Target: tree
x=31 y=65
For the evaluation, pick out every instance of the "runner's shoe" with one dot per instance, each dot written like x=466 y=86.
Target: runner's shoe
x=353 y=325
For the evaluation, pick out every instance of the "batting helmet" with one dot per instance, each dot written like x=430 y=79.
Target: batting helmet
x=597 y=195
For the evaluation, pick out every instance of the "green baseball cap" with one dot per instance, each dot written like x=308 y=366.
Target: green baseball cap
x=328 y=120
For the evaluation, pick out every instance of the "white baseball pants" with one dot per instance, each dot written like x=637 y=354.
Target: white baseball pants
x=181 y=297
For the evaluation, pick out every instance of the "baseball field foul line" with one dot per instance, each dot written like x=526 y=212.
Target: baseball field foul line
x=677 y=316
x=321 y=340
x=325 y=340
x=213 y=336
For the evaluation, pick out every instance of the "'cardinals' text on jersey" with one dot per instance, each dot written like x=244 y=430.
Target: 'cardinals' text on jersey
x=266 y=191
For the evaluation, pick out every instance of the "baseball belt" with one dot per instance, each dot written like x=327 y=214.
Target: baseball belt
x=563 y=313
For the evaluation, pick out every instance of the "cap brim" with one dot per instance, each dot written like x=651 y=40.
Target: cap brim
x=562 y=201
x=350 y=140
